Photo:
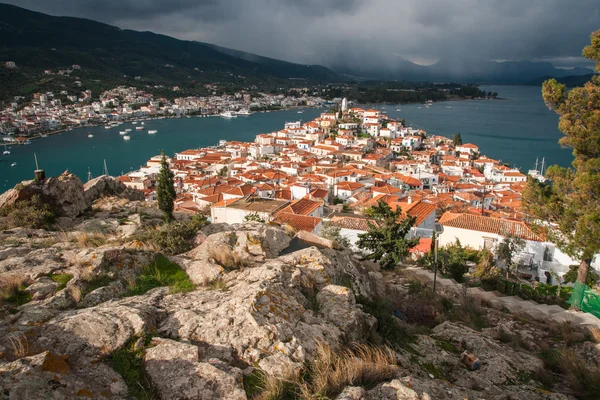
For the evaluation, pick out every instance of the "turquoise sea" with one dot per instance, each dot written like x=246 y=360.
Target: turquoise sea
x=515 y=130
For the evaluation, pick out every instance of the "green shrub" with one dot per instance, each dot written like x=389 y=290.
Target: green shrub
x=161 y=272
x=32 y=214
x=173 y=238
x=61 y=279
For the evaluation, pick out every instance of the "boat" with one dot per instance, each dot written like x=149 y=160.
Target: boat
x=107 y=126
x=538 y=174
x=90 y=135
x=139 y=128
x=13 y=164
x=300 y=111
x=134 y=122
x=244 y=112
x=6 y=151
x=142 y=122
x=152 y=131
x=448 y=106
x=122 y=132
x=228 y=114
x=128 y=130
x=126 y=137
x=399 y=108
x=27 y=142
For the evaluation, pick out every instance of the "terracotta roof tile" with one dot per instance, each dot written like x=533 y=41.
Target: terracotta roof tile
x=489 y=224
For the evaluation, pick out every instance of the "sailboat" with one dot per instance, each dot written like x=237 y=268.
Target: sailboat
x=538 y=174
x=6 y=151
x=399 y=108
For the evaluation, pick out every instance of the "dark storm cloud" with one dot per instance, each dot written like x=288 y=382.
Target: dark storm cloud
x=369 y=31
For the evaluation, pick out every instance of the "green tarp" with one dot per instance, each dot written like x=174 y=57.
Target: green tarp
x=585 y=299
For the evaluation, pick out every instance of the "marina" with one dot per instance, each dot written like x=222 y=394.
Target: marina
x=485 y=123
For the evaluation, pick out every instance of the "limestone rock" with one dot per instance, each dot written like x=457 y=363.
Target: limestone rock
x=105 y=186
x=338 y=306
x=51 y=376
x=42 y=288
x=103 y=294
x=175 y=370
x=98 y=331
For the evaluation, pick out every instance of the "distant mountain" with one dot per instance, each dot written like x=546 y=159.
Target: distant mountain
x=471 y=70
x=570 y=81
x=37 y=40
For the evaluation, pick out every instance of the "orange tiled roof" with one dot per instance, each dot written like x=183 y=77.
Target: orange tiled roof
x=302 y=207
x=490 y=224
x=298 y=222
x=353 y=223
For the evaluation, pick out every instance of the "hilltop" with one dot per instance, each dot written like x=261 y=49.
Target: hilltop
x=37 y=41
x=116 y=304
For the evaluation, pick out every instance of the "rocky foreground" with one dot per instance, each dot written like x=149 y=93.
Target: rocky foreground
x=248 y=311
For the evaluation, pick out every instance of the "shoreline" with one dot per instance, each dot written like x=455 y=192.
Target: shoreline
x=93 y=125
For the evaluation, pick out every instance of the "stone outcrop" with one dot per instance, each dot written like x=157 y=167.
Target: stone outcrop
x=63 y=193
x=176 y=370
x=106 y=186
x=256 y=305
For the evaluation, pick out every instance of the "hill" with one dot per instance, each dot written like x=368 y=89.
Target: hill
x=570 y=81
x=458 y=69
x=36 y=41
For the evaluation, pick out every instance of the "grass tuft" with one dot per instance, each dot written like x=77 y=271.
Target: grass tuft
x=161 y=272
x=12 y=290
x=128 y=362
x=61 y=279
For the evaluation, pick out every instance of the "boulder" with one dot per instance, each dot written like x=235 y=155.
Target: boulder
x=51 y=376
x=64 y=194
x=95 y=332
x=175 y=370
x=338 y=306
x=107 y=186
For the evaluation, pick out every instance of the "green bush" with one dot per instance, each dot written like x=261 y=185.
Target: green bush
x=162 y=272
x=32 y=214
x=173 y=238
x=61 y=279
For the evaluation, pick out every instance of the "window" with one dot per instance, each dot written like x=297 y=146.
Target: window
x=549 y=253
x=489 y=243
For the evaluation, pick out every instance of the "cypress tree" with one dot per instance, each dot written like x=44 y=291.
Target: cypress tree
x=165 y=189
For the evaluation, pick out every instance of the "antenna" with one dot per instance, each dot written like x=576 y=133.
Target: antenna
x=89 y=177
x=105 y=171
x=36 y=161
x=542 y=171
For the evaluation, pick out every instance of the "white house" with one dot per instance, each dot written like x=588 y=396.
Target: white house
x=479 y=232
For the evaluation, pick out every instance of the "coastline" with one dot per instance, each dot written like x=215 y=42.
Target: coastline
x=102 y=123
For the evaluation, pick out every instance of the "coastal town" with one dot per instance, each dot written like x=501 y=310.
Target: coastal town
x=331 y=170
x=51 y=112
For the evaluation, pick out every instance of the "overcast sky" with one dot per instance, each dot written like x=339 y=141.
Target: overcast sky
x=321 y=31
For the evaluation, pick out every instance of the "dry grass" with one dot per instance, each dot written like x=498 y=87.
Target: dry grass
x=12 y=289
x=595 y=333
x=90 y=239
x=361 y=365
x=327 y=375
x=76 y=293
x=582 y=377
x=19 y=344
x=229 y=260
x=216 y=284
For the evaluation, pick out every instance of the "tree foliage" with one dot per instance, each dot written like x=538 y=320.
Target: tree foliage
x=387 y=241
x=253 y=217
x=332 y=232
x=571 y=202
x=508 y=248
x=457 y=139
x=165 y=189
